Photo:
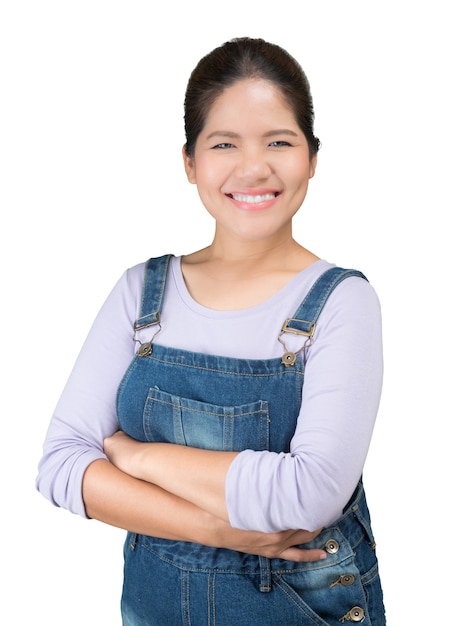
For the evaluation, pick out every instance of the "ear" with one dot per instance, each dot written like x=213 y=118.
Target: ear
x=313 y=165
x=189 y=166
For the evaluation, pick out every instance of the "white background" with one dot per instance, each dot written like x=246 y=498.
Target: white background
x=92 y=182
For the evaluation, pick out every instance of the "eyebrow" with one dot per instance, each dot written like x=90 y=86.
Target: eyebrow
x=271 y=133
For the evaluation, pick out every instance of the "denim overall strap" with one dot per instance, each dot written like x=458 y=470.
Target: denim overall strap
x=154 y=286
x=306 y=316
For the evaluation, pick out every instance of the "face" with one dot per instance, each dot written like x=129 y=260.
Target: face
x=251 y=162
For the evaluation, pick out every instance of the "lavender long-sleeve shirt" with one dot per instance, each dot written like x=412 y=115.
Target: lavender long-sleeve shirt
x=305 y=488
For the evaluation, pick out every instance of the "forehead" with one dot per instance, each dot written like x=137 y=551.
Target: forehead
x=250 y=98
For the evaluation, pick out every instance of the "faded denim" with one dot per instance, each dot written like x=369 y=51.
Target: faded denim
x=221 y=403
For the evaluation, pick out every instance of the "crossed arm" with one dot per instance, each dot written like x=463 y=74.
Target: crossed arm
x=115 y=495
x=134 y=492
x=196 y=475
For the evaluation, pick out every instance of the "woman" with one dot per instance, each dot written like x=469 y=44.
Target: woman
x=221 y=408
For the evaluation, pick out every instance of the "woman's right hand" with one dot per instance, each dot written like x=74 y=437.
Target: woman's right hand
x=280 y=545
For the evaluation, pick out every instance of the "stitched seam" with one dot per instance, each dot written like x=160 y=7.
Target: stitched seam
x=296 y=602
x=221 y=371
x=194 y=410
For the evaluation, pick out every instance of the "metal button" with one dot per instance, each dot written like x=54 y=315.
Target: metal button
x=344 y=579
x=332 y=546
x=145 y=349
x=288 y=358
x=356 y=614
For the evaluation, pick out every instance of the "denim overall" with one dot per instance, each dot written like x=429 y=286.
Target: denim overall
x=220 y=403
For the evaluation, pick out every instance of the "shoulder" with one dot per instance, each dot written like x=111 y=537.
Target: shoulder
x=355 y=292
x=348 y=290
x=135 y=275
x=353 y=305
x=348 y=333
x=131 y=282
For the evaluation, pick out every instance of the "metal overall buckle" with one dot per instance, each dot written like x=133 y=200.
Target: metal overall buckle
x=145 y=349
x=289 y=357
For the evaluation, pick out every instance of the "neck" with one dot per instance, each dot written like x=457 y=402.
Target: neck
x=235 y=275
x=233 y=250
x=248 y=260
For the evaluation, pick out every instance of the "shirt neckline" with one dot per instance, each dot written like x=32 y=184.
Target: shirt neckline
x=312 y=271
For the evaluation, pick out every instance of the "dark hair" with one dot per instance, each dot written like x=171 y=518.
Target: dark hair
x=239 y=59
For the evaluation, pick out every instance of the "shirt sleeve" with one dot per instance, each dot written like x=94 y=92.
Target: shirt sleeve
x=308 y=487
x=86 y=413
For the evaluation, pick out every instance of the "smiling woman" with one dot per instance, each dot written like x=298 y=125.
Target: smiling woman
x=251 y=156
x=222 y=406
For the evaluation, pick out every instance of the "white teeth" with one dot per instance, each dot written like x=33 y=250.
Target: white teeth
x=253 y=199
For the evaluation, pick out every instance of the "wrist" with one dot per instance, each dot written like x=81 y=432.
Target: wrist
x=143 y=463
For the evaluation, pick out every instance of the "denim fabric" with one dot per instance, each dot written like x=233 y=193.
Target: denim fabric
x=221 y=403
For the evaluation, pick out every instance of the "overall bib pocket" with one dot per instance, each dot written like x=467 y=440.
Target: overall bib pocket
x=175 y=419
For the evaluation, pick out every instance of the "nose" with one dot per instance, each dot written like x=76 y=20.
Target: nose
x=253 y=165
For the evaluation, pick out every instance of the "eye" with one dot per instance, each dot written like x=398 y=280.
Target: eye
x=223 y=146
x=280 y=144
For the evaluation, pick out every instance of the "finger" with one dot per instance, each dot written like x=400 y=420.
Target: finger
x=303 y=556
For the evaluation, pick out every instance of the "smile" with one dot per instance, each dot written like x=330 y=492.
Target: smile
x=241 y=197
